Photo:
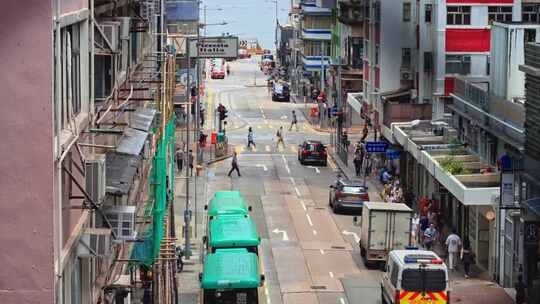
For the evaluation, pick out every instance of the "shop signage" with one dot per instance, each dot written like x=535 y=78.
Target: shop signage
x=392 y=154
x=376 y=146
x=439 y=147
x=214 y=47
x=507 y=189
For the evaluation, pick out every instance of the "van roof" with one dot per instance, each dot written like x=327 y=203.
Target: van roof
x=411 y=258
x=387 y=206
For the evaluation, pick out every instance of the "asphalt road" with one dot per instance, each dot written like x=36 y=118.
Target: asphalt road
x=309 y=254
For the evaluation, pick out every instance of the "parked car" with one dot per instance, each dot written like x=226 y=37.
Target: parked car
x=347 y=196
x=281 y=92
x=312 y=151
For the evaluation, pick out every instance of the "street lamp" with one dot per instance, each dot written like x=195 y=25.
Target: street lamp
x=277 y=23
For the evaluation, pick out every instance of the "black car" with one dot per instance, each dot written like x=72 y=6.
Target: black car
x=312 y=151
x=348 y=196
x=281 y=92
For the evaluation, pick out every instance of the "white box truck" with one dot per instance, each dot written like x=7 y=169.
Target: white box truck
x=385 y=227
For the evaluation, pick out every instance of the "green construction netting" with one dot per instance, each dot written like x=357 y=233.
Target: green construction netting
x=161 y=188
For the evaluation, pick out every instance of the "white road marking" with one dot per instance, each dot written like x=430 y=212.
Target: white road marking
x=309 y=220
x=316 y=169
x=297 y=191
x=303 y=205
x=331 y=274
x=314 y=232
x=262 y=166
x=264 y=116
x=284 y=117
x=287 y=168
x=292 y=180
x=266 y=291
x=356 y=238
x=322 y=251
x=267 y=148
x=285 y=235
x=341 y=301
x=284 y=159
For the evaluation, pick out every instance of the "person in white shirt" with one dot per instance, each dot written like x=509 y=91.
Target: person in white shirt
x=415 y=223
x=453 y=244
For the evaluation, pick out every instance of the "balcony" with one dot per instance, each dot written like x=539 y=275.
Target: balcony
x=503 y=118
x=352 y=11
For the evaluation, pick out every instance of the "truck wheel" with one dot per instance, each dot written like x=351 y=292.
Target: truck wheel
x=382 y=266
x=362 y=252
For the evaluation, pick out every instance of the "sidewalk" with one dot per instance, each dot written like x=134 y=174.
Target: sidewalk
x=476 y=290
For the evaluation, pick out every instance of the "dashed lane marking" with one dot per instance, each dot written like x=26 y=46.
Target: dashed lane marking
x=309 y=220
x=297 y=191
x=314 y=232
x=303 y=205
x=331 y=274
x=322 y=251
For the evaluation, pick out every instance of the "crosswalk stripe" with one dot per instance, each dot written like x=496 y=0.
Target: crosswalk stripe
x=267 y=148
x=294 y=148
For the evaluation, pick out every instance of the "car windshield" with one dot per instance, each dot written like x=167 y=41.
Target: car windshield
x=315 y=147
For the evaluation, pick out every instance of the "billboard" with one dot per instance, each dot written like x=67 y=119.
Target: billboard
x=214 y=47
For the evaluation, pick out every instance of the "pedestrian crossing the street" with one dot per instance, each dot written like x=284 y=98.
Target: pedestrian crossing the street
x=267 y=149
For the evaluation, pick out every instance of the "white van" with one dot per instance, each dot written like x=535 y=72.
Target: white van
x=415 y=276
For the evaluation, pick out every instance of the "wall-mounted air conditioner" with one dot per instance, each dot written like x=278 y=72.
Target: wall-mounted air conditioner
x=94 y=242
x=111 y=30
x=122 y=220
x=95 y=177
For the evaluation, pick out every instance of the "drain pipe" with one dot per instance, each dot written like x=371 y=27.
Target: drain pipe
x=57 y=201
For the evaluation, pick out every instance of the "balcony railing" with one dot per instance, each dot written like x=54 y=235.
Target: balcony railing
x=500 y=116
x=352 y=11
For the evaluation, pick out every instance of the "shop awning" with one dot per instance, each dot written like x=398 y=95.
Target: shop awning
x=121 y=170
x=355 y=101
x=531 y=210
x=132 y=141
x=142 y=119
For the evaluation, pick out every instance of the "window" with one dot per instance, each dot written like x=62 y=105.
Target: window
x=406 y=12
x=458 y=64
x=428 y=11
x=499 y=13
x=458 y=15
x=313 y=48
x=530 y=35
x=428 y=62
x=317 y=22
x=423 y=279
x=406 y=58
x=531 y=12
x=394 y=274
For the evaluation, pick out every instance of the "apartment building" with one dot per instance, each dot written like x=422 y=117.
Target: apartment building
x=82 y=93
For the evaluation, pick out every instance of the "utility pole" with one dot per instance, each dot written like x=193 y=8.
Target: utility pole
x=187 y=215
x=322 y=67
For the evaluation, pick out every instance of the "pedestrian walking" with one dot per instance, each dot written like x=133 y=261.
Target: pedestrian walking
x=294 y=121
x=430 y=235
x=279 y=135
x=201 y=115
x=190 y=162
x=467 y=257
x=365 y=132
x=415 y=225
x=521 y=290
x=179 y=261
x=250 y=138
x=234 y=164
x=453 y=244
x=179 y=156
x=358 y=160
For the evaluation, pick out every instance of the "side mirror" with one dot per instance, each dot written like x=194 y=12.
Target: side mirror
x=331 y=186
x=205 y=207
x=355 y=220
x=204 y=239
x=200 y=276
x=250 y=208
x=263 y=278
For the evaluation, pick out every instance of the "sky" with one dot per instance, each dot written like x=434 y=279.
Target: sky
x=246 y=18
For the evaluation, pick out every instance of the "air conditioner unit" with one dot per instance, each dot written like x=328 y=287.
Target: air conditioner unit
x=111 y=30
x=122 y=220
x=406 y=75
x=125 y=26
x=94 y=242
x=95 y=177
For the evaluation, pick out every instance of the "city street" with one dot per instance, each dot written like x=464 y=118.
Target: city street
x=310 y=255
